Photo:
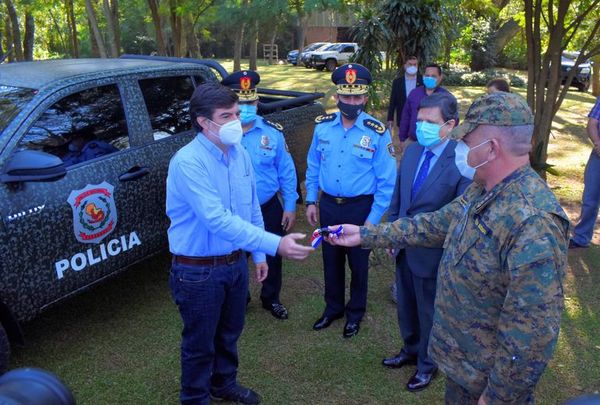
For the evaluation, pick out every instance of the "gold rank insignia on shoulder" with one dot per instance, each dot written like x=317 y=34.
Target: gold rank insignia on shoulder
x=325 y=118
x=374 y=125
x=275 y=125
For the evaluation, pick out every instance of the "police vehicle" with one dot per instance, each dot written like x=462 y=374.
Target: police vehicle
x=84 y=150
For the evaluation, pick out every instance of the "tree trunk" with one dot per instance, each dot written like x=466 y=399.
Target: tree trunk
x=192 y=47
x=175 y=20
x=115 y=15
x=158 y=32
x=29 y=36
x=110 y=26
x=237 y=48
x=72 y=23
x=596 y=76
x=16 y=31
x=94 y=26
x=253 y=47
x=302 y=25
x=272 y=44
x=10 y=53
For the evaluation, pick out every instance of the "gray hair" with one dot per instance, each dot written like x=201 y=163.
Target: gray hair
x=515 y=139
x=446 y=102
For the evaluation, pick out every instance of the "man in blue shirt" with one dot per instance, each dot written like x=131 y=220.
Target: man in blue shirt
x=215 y=214
x=351 y=160
x=274 y=172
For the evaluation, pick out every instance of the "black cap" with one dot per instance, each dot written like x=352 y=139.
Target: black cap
x=351 y=78
x=244 y=84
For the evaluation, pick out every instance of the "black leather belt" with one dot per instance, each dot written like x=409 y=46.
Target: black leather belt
x=231 y=258
x=346 y=200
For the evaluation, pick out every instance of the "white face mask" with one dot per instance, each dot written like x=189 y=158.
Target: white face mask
x=411 y=70
x=230 y=133
x=461 y=159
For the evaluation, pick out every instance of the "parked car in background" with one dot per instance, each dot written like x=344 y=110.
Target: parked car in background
x=582 y=78
x=333 y=56
x=306 y=54
x=85 y=146
x=294 y=57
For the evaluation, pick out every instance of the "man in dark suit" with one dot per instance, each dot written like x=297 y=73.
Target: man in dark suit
x=401 y=87
x=427 y=180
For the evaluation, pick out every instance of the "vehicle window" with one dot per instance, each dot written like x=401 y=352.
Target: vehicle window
x=81 y=126
x=168 y=102
x=12 y=100
x=348 y=49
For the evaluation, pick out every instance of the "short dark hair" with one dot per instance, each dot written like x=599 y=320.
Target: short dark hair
x=412 y=57
x=500 y=84
x=434 y=65
x=446 y=102
x=207 y=98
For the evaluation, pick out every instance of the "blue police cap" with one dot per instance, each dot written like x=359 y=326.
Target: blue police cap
x=244 y=83
x=351 y=78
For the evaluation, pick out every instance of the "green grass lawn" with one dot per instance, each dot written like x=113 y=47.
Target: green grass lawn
x=119 y=343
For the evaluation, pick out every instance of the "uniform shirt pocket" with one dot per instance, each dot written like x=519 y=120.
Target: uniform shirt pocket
x=362 y=153
x=266 y=155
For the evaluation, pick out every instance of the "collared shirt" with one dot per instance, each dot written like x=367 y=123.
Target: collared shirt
x=408 y=121
x=595 y=113
x=212 y=203
x=410 y=84
x=273 y=165
x=437 y=151
x=352 y=162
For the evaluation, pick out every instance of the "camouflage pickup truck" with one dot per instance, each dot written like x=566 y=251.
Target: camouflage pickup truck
x=84 y=150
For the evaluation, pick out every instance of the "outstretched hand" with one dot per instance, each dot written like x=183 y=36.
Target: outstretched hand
x=288 y=247
x=349 y=237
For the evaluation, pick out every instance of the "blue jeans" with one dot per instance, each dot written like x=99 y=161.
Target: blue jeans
x=212 y=302
x=590 y=202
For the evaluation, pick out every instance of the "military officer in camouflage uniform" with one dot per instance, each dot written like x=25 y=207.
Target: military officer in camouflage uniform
x=499 y=292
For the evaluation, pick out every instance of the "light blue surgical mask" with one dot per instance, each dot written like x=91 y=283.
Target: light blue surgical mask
x=428 y=133
x=247 y=113
x=429 y=82
x=461 y=159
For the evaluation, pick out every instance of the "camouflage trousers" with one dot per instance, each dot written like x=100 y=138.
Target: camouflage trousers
x=457 y=395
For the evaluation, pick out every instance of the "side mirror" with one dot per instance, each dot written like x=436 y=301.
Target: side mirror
x=33 y=165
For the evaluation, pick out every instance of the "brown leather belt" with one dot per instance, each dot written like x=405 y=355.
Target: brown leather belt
x=346 y=200
x=231 y=258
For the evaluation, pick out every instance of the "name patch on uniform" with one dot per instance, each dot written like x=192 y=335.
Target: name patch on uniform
x=364 y=148
x=481 y=226
x=374 y=125
x=324 y=118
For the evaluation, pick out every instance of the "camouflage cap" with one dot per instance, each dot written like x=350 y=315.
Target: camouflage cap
x=499 y=108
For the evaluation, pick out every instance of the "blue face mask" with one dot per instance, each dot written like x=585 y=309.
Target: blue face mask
x=247 y=113
x=429 y=82
x=428 y=133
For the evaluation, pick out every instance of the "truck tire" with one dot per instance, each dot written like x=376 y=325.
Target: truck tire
x=583 y=87
x=331 y=64
x=4 y=350
x=320 y=67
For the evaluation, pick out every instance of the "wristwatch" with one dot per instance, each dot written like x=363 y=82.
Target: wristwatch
x=307 y=203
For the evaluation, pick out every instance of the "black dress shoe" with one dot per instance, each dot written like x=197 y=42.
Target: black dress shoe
x=277 y=310
x=399 y=360
x=324 y=321
x=351 y=329
x=420 y=381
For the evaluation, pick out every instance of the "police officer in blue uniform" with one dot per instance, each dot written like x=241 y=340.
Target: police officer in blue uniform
x=351 y=160
x=275 y=176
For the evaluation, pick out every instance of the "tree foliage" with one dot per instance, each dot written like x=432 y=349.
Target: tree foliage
x=552 y=27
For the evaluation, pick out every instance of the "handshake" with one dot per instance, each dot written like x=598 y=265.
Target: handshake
x=338 y=235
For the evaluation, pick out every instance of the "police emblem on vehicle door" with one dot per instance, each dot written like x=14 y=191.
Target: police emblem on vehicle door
x=94 y=212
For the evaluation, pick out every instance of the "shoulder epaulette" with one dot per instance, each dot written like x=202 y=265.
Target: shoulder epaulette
x=374 y=125
x=325 y=118
x=275 y=125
